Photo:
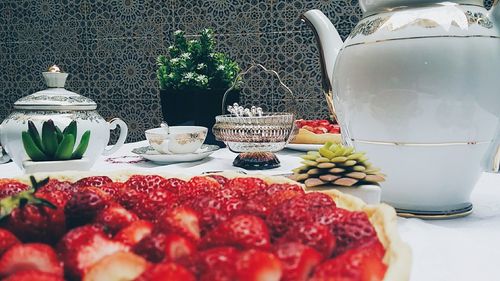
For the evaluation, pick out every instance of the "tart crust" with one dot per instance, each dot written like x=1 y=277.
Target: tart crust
x=307 y=137
x=382 y=216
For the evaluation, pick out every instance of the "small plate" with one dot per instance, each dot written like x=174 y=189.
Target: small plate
x=151 y=154
x=304 y=147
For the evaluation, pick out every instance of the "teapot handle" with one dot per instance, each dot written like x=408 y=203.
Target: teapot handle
x=4 y=157
x=121 y=139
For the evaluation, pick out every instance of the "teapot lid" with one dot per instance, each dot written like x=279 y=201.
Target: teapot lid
x=55 y=97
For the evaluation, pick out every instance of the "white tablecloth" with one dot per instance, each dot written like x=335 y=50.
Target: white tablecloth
x=451 y=250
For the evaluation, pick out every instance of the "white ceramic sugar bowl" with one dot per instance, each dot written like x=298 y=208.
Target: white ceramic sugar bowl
x=62 y=107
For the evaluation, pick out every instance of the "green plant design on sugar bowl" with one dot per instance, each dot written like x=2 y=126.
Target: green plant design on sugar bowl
x=54 y=144
x=194 y=64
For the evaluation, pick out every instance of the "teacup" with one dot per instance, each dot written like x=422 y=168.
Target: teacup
x=177 y=140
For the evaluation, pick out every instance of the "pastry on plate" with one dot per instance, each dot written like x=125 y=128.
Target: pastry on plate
x=316 y=132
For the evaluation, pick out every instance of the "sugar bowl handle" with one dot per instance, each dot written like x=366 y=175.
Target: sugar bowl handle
x=123 y=135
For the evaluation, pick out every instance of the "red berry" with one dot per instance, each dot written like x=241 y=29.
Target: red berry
x=31 y=256
x=147 y=184
x=96 y=181
x=255 y=265
x=220 y=179
x=36 y=223
x=83 y=246
x=289 y=213
x=30 y=275
x=84 y=205
x=166 y=271
x=246 y=188
x=363 y=264
x=242 y=231
x=315 y=235
x=214 y=259
x=134 y=232
x=115 y=218
x=298 y=260
x=7 y=240
x=158 y=247
x=183 y=221
x=9 y=187
x=353 y=231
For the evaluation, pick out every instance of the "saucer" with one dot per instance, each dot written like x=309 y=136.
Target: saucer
x=151 y=154
x=304 y=146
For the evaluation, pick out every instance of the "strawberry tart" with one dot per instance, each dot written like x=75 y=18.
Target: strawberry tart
x=128 y=226
x=316 y=132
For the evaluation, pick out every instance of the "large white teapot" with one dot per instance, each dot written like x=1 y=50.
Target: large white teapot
x=61 y=106
x=416 y=86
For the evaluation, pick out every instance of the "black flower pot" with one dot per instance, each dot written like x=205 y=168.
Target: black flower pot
x=195 y=107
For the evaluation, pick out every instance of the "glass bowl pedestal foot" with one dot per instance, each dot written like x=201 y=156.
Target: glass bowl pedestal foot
x=256 y=161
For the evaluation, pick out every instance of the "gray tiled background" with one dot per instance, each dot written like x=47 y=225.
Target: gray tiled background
x=110 y=47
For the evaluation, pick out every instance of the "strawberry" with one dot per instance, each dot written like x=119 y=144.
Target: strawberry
x=134 y=232
x=331 y=217
x=279 y=197
x=174 y=184
x=255 y=265
x=32 y=219
x=166 y=271
x=29 y=256
x=210 y=212
x=147 y=196
x=298 y=210
x=318 y=201
x=183 y=221
x=178 y=247
x=30 y=275
x=246 y=188
x=84 y=205
x=147 y=184
x=360 y=264
x=83 y=246
x=117 y=267
x=112 y=188
x=198 y=187
x=96 y=181
x=314 y=235
x=298 y=260
x=220 y=179
x=278 y=187
x=53 y=185
x=10 y=187
x=289 y=213
x=242 y=231
x=7 y=240
x=152 y=247
x=353 y=231
x=219 y=275
x=237 y=206
x=214 y=259
x=158 y=247
x=114 y=218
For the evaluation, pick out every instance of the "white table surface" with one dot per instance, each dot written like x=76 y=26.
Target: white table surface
x=448 y=250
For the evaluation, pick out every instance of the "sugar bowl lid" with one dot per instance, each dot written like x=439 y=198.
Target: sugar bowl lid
x=55 y=97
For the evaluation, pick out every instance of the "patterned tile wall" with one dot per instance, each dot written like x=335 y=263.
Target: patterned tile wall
x=110 y=46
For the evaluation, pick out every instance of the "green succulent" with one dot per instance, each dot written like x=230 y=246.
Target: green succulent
x=194 y=64
x=339 y=165
x=54 y=144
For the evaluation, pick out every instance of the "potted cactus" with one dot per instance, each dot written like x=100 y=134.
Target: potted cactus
x=53 y=148
x=335 y=166
x=193 y=78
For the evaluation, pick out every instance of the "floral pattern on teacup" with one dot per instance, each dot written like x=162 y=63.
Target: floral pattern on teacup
x=183 y=139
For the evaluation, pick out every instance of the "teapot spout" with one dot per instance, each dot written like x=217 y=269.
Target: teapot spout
x=494 y=13
x=329 y=45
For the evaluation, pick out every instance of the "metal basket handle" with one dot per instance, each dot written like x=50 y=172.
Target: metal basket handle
x=258 y=65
